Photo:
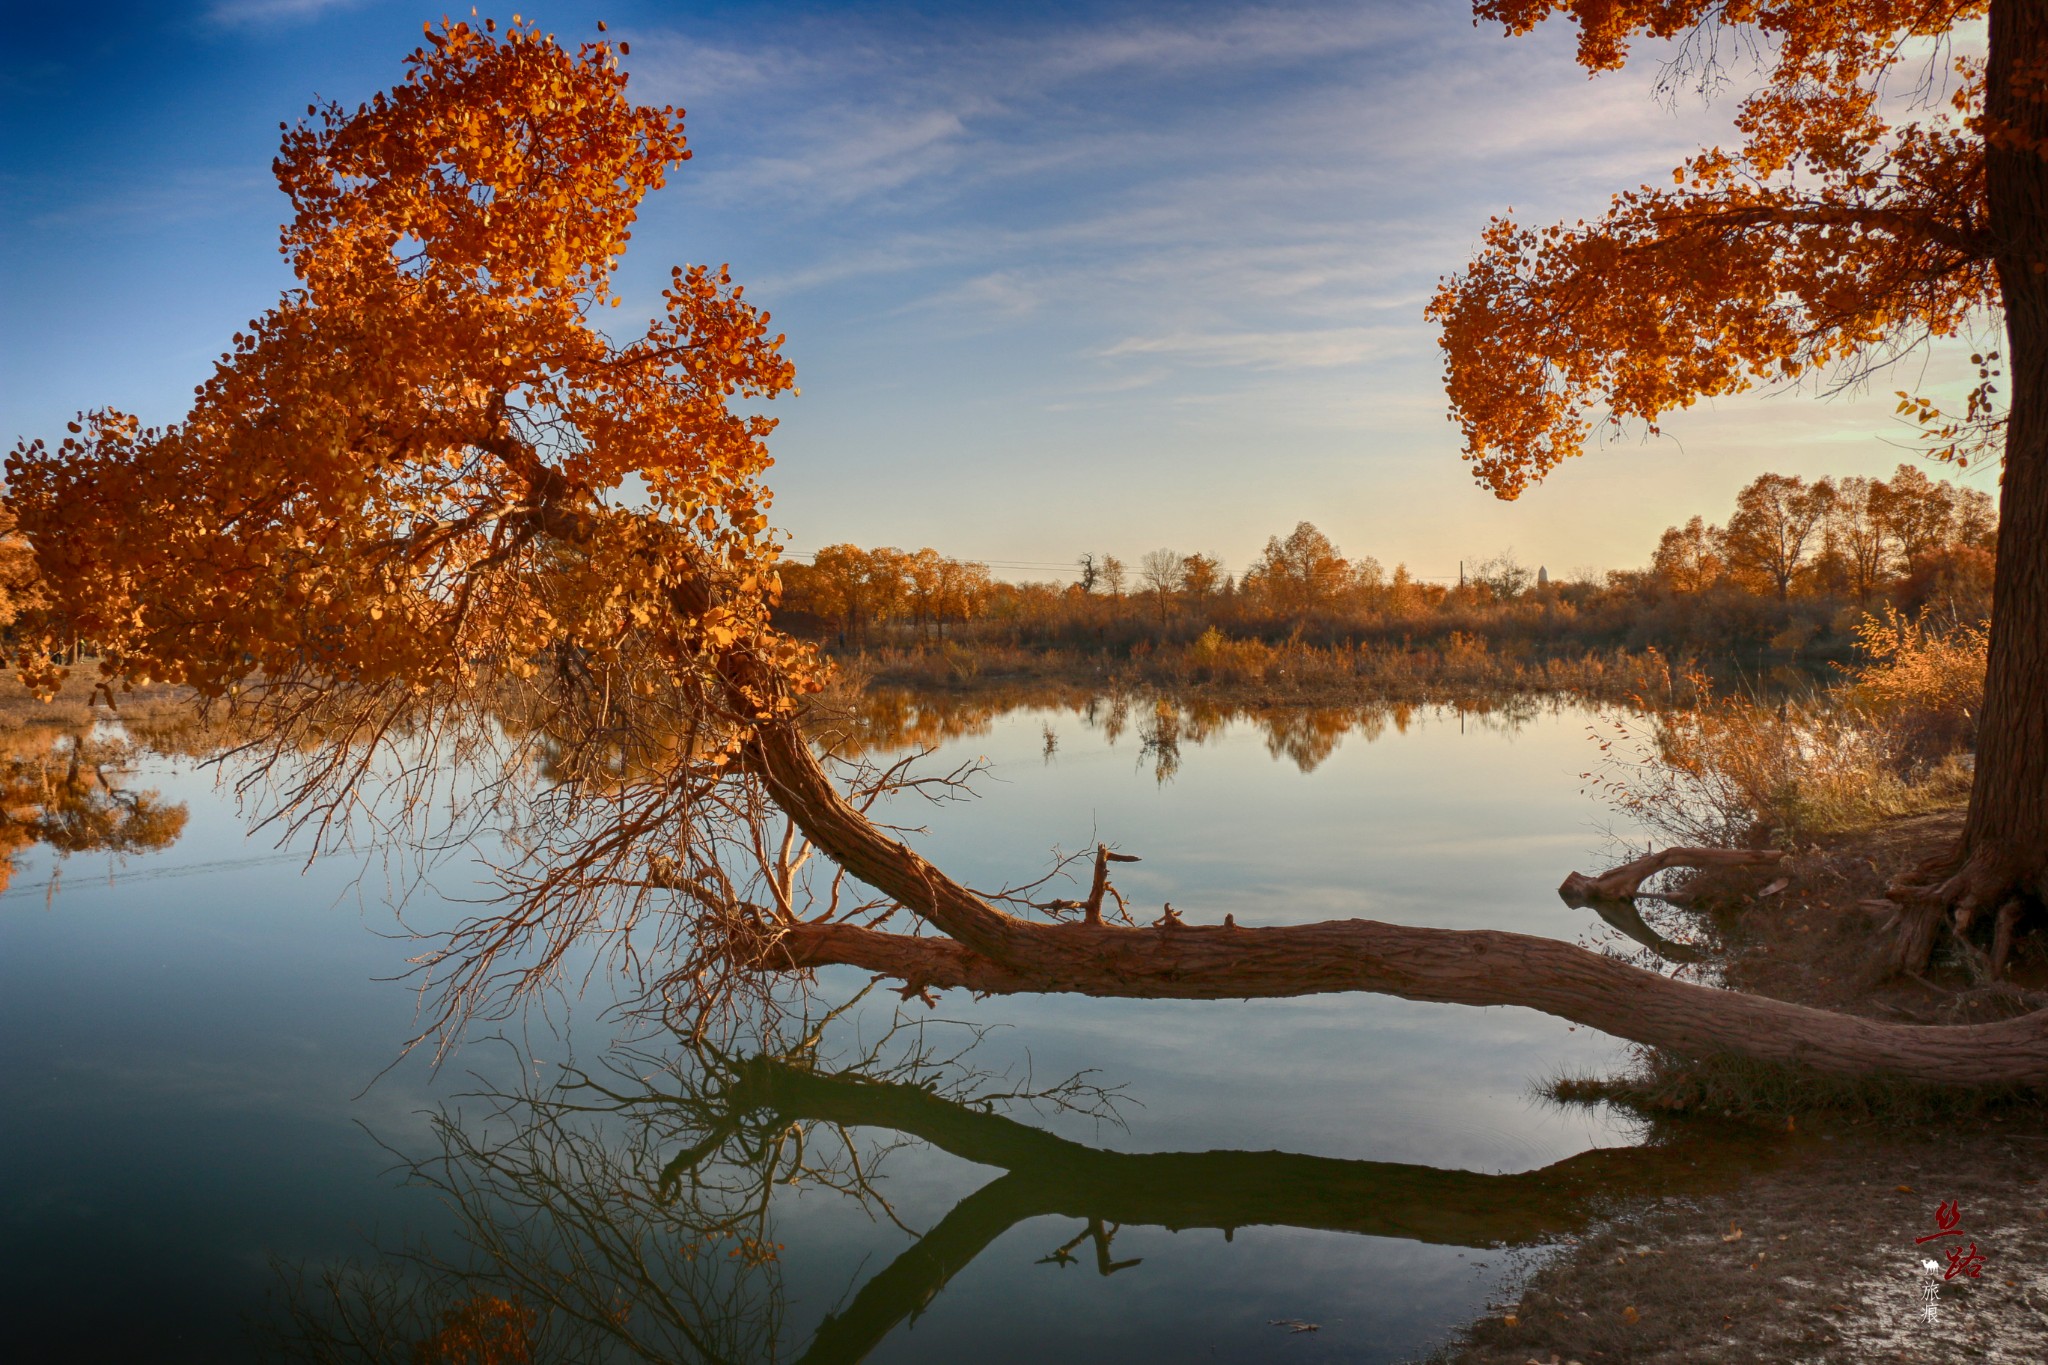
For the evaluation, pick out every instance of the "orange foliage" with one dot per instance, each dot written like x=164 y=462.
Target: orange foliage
x=483 y=1329
x=859 y=588
x=1836 y=227
x=435 y=502
x=19 y=590
x=375 y=484
x=1925 y=682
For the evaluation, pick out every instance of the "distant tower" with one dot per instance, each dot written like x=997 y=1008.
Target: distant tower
x=1542 y=577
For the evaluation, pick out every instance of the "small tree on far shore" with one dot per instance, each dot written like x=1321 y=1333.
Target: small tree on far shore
x=1163 y=573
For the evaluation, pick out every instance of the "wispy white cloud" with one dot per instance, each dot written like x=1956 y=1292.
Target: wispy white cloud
x=1183 y=234
x=680 y=69
x=1191 y=227
x=1126 y=384
x=1255 y=37
x=182 y=197
x=1276 y=350
x=866 y=154
x=998 y=296
x=261 y=13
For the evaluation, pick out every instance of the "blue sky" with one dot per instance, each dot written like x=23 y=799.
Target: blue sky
x=1058 y=277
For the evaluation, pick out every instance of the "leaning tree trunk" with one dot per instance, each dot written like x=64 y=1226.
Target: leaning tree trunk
x=985 y=948
x=2001 y=862
x=988 y=950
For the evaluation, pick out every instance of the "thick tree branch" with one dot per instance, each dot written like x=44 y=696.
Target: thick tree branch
x=993 y=952
x=1621 y=882
x=1453 y=966
x=1968 y=244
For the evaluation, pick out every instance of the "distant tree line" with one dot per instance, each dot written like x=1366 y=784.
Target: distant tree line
x=1792 y=569
x=857 y=590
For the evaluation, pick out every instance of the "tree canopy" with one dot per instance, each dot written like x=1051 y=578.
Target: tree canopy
x=364 y=487
x=1848 y=222
x=1890 y=187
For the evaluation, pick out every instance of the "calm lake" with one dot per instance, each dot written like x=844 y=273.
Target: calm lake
x=202 y=1056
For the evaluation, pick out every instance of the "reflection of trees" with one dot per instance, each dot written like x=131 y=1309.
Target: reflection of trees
x=1161 y=737
x=1308 y=736
x=614 y=1217
x=58 y=787
x=882 y=720
x=1225 y=1190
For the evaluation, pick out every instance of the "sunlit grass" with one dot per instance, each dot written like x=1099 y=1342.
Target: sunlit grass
x=1888 y=741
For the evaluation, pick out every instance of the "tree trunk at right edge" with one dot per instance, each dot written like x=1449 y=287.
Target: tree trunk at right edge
x=2005 y=839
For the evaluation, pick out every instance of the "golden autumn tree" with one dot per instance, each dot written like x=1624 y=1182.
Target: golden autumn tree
x=366 y=484
x=431 y=481
x=429 y=515
x=1851 y=222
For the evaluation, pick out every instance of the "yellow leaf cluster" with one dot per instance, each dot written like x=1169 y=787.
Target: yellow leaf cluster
x=1838 y=227
x=427 y=465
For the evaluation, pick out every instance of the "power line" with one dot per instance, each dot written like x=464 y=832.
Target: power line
x=1015 y=565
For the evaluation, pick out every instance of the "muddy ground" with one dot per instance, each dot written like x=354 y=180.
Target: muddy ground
x=1819 y=1257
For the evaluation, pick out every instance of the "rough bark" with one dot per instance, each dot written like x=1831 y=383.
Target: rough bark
x=996 y=953
x=1622 y=882
x=2007 y=826
x=1464 y=967
x=2003 y=852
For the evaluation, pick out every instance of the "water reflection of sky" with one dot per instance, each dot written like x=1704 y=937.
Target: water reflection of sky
x=192 y=1061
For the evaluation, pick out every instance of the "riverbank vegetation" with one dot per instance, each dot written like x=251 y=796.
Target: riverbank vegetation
x=1789 y=578
x=1819 y=1258
x=1890 y=737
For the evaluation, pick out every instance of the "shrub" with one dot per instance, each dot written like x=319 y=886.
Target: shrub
x=1885 y=742
x=1922 y=685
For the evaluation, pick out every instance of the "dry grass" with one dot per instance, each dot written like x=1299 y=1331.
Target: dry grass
x=1923 y=685
x=77 y=703
x=1886 y=743
x=1246 y=669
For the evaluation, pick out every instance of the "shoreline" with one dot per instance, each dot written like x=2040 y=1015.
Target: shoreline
x=1814 y=1259
x=1304 y=676
x=1811 y=1260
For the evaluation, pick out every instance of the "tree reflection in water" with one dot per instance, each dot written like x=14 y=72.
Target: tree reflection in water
x=59 y=786
x=629 y=1214
x=880 y=721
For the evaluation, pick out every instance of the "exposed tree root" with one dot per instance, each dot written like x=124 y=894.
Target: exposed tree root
x=1623 y=881
x=1953 y=892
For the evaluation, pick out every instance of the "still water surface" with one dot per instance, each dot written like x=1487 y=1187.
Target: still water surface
x=198 y=1051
